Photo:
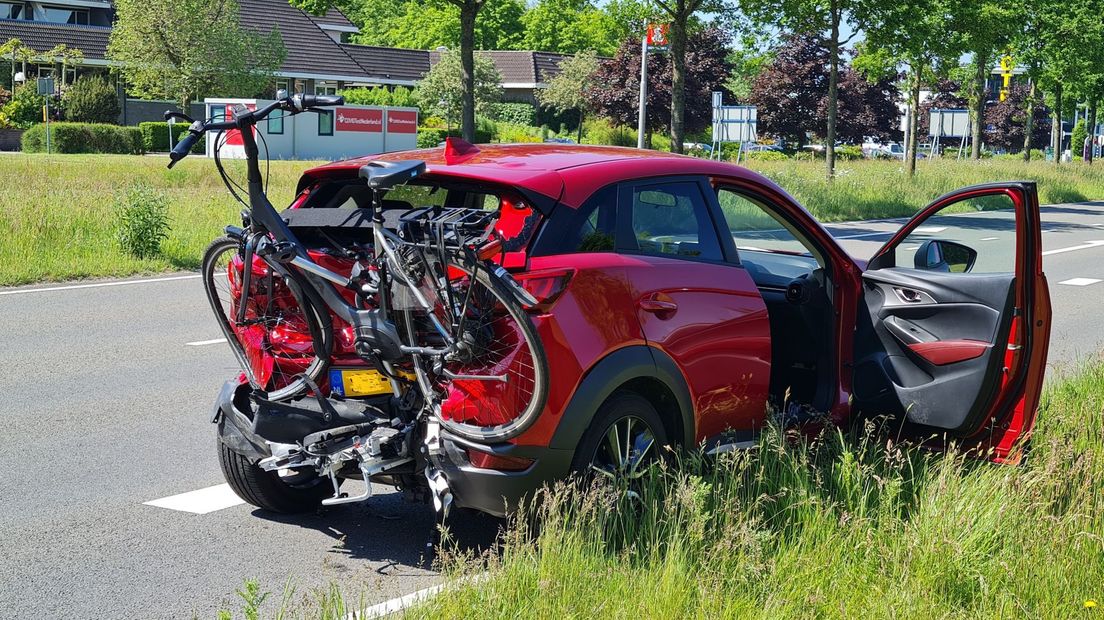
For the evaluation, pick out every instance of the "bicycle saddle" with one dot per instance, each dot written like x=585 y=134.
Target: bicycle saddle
x=388 y=174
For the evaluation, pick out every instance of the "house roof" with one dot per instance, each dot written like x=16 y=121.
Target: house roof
x=333 y=17
x=520 y=66
x=42 y=36
x=310 y=51
x=389 y=62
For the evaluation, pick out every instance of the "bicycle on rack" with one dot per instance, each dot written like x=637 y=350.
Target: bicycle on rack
x=424 y=305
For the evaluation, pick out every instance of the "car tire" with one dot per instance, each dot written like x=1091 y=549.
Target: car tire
x=618 y=408
x=266 y=490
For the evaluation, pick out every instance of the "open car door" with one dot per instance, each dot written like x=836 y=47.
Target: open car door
x=951 y=340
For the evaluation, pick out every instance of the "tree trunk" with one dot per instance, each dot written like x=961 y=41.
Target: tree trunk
x=1029 y=122
x=1092 y=129
x=914 y=107
x=833 y=92
x=581 y=115
x=1056 y=125
x=468 y=12
x=981 y=73
x=678 y=77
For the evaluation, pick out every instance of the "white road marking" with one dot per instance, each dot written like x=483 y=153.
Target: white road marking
x=869 y=234
x=1080 y=281
x=1073 y=248
x=990 y=238
x=200 y=502
x=399 y=604
x=95 y=285
x=930 y=230
x=200 y=343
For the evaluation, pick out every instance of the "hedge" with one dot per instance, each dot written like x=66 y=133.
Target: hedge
x=429 y=137
x=515 y=113
x=83 y=138
x=155 y=136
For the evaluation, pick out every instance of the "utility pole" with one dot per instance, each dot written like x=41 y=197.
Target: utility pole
x=641 y=120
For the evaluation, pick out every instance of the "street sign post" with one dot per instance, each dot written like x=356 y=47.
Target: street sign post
x=655 y=39
x=733 y=123
x=46 y=88
x=949 y=123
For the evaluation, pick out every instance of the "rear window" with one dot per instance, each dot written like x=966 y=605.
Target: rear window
x=352 y=194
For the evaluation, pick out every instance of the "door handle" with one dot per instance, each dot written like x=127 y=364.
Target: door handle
x=909 y=295
x=657 y=306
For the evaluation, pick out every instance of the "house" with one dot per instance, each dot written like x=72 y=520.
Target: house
x=319 y=58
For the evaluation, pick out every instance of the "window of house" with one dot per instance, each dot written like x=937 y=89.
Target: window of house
x=325 y=122
x=60 y=15
x=325 y=88
x=283 y=84
x=672 y=219
x=11 y=11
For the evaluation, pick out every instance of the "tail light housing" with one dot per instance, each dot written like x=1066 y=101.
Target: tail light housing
x=545 y=285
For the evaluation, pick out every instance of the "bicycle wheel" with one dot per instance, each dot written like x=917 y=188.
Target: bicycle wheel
x=498 y=340
x=285 y=339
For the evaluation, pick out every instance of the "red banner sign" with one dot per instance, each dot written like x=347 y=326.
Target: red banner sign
x=353 y=119
x=402 y=121
x=657 y=35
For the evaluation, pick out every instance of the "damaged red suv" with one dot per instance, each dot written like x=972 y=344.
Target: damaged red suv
x=679 y=300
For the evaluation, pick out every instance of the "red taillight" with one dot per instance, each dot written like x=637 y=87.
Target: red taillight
x=545 y=285
x=486 y=460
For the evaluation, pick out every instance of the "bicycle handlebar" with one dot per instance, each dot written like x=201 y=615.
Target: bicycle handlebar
x=293 y=105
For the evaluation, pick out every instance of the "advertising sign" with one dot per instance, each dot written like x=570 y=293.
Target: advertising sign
x=359 y=119
x=402 y=121
x=735 y=123
x=657 y=37
x=949 y=123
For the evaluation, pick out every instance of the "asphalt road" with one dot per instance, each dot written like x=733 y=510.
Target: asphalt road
x=106 y=407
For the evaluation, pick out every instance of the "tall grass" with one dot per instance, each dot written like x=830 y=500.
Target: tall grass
x=842 y=525
x=57 y=221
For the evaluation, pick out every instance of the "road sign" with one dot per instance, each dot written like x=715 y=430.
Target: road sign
x=658 y=37
x=949 y=123
x=45 y=86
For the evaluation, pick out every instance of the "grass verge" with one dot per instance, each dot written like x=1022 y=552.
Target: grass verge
x=58 y=221
x=843 y=525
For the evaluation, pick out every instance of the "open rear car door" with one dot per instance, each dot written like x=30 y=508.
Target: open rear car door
x=952 y=335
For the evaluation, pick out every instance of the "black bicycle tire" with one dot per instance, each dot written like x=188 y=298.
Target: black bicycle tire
x=514 y=428
x=319 y=324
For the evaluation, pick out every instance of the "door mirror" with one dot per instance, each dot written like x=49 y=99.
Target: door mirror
x=945 y=256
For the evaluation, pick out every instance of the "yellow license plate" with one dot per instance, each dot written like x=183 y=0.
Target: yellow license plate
x=359 y=382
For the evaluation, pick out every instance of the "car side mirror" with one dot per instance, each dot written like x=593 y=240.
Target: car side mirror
x=945 y=256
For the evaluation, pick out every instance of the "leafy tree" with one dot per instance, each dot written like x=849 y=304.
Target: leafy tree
x=441 y=92
x=1005 y=123
x=204 y=51
x=570 y=89
x=25 y=107
x=628 y=19
x=91 y=99
x=867 y=108
x=18 y=54
x=1077 y=139
x=681 y=13
x=569 y=26
x=430 y=24
x=827 y=19
x=914 y=35
x=617 y=82
x=746 y=65
x=946 y=95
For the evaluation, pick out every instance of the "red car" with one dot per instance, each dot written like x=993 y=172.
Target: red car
x=684 y=301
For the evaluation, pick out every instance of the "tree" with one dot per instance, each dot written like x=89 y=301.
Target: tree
x=945 y=95
x=91 y=99
x=912 y=34
x=1005 y=123
x=570 y=88
x=441 y=91
x=628 y=19
x=204 y=51
x=569 y=26
x=867 y=108
x=617 y=82
x=746 y=65
x=827 y=19
x=680 y=13
x=430 y=24
x=18 y=54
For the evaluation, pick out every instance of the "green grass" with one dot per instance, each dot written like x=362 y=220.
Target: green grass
x=58 y=222
x=841 y=525
x=836 y=526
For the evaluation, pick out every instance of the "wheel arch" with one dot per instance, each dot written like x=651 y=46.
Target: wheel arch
x=643 y=369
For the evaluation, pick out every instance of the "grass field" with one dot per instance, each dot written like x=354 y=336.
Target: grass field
x=839 y=526
x=57 y=221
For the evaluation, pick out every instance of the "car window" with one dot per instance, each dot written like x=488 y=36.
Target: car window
x=672 y=219
x=590 y=228
x=976 y=235
x=756 y=228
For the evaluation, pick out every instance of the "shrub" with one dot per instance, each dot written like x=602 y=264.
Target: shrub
x=83 y=138
x=25 y=107
x=1077 y=139
x=600 y=131
x=510 y=133
x=401 y=96
x=91 y=99
x=766 y=155
x=155 y=136
x=515 y=113
x=430 y=137
x=849 y=152
x=142 y=221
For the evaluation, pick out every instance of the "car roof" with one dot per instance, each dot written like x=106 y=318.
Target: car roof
x=569 y=173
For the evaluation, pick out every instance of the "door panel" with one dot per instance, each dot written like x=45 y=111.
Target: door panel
x=951 y=338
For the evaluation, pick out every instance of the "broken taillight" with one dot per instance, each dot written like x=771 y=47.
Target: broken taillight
x=545 y=285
